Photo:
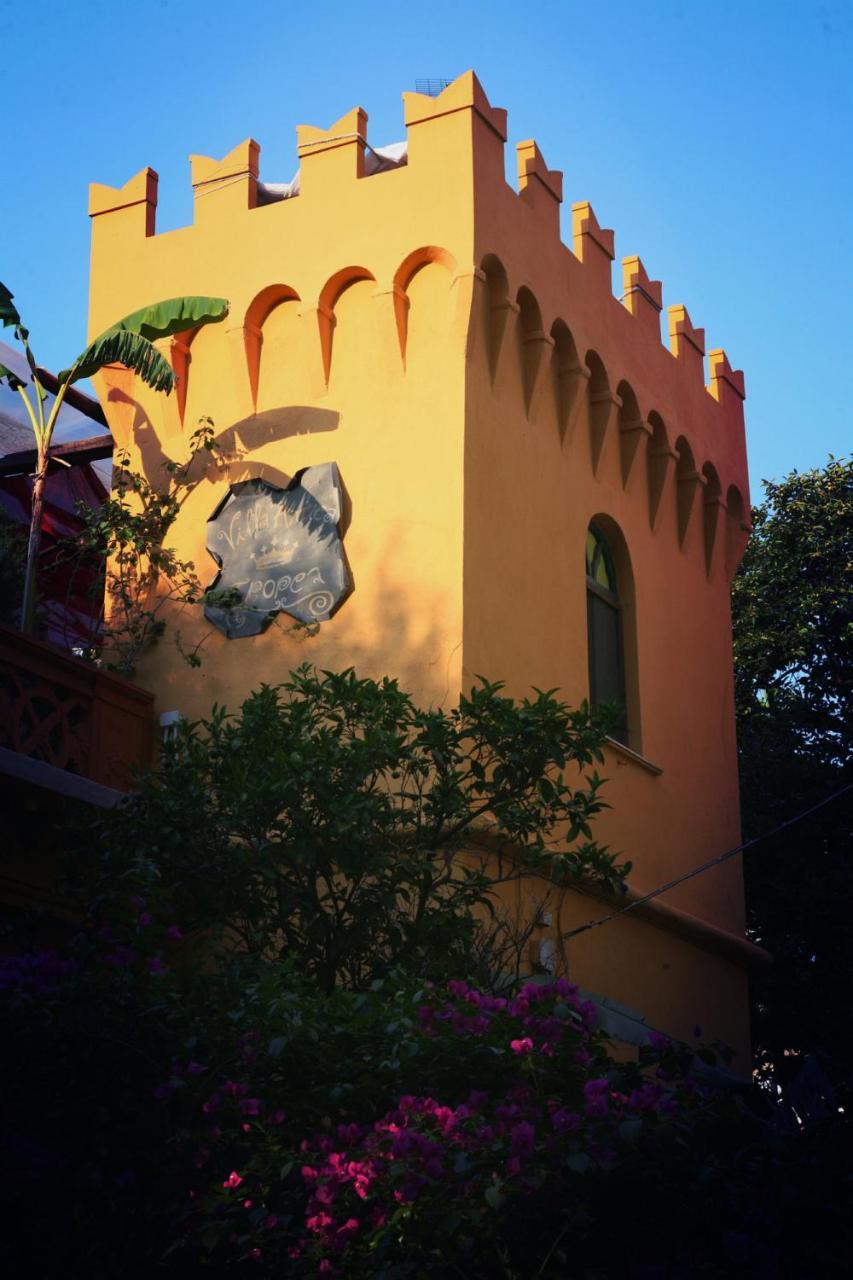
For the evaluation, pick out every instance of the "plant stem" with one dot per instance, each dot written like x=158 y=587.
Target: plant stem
x=28 y=605
x=43 y=439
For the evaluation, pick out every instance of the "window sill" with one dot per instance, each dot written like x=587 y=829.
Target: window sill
x=622 y=750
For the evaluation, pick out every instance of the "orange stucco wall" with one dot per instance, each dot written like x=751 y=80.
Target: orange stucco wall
x=485 y=396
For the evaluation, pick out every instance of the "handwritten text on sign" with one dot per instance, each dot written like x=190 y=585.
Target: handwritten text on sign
x=279 y=550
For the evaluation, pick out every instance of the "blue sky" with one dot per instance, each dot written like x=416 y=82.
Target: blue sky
x=714 y=138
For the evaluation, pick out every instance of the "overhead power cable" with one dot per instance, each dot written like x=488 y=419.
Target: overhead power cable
x=706 y=866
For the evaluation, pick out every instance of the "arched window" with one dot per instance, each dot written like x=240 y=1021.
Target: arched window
x=604 y=625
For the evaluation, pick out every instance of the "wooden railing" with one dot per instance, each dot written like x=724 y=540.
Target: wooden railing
x=72 y=715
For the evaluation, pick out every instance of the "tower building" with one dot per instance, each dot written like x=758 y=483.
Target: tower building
x=530 y=485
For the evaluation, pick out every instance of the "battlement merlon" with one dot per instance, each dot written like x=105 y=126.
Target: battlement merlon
x=463 y=103
x=593 y=244
x=132 y=207
x=330 y=157
x=231 y=182
x=686 y=342
x=539 y=186
x=642 y=296
x=727 y=385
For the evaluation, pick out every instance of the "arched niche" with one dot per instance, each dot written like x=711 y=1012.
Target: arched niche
x=738 y=528
x=199 y=358
x=569 y=378
x=624 y=593
x=281 y=357
x=257 y=313
x=661 y=459
x=633 y=429
x=713 y=513
x=345 y=316
x=602 y=406
x=497 y=309
x=688 y=483
x=532 y=341
x=421 y=298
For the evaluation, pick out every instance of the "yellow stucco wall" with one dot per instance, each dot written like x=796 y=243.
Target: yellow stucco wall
x=485 y=396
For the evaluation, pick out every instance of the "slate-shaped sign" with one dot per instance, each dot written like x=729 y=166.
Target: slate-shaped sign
x=279 y=550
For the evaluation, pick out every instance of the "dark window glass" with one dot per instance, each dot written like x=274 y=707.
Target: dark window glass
x=604 y=621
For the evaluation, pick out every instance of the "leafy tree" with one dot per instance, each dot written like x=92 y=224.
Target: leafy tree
x=129 y=342
x=334 y=821
x=793 y=631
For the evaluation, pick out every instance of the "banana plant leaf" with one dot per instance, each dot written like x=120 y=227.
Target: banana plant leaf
x=128 y=349
x=128 y=342
x=6 y=375
x=8 y=310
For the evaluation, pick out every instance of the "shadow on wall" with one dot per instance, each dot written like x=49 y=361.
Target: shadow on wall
x=233 y=442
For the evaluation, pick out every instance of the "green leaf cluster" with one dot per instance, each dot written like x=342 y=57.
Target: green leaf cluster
x=792 y=614
x=335 y=821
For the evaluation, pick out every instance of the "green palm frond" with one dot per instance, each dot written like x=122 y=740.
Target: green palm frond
x=175 y=315
x=8 y=311
x=6 y=375
x=118 y=346
x=128 y=342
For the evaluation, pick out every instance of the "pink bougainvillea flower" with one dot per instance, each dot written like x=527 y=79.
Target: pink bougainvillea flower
x=522 y=1138
x=523 y=1046
x=565 y=1121
x=250 y=1106
x=233 y=1180
x=596 y=1094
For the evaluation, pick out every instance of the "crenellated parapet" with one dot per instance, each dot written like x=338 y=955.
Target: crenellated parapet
x=373 y=218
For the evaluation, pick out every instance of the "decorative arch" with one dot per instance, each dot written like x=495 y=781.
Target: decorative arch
x=181 y=357
x=411 y=266
x=418 y=258
x=569 y=377
x=632 y=429
x=532 y=341
x=713 y=512
x=611 y=625
x=498 y=307
x=688 y=481
x=265 y=301
x=337 y=283
x=330 y=294
x=738 y=529
x=661 y=459
x=602 y=403
x=257 y=313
